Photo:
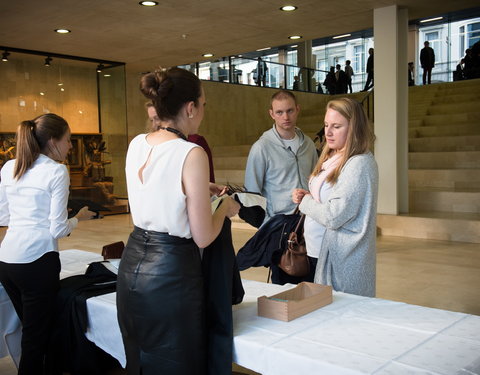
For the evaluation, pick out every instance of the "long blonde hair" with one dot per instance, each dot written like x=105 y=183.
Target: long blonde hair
x=360 y=136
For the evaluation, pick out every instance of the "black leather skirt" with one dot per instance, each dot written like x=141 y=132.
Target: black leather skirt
x=160 y=305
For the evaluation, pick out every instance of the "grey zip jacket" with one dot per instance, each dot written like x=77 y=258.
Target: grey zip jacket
x=274 y=170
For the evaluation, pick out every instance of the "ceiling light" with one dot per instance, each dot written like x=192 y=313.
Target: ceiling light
x=107 y=75
x=148 y=3
x=293 y=37
x=5 y=55
x=288 y=8
x=100 y=67
x=263 y=49
x=431 y=19
x=62 y=31
x=48 y=59
x=341 y=36
x=207 y=55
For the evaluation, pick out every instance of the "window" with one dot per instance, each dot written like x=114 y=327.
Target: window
x=461 y=33
x=473 y=34
x=358 y=62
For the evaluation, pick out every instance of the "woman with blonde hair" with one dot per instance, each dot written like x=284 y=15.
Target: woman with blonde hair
x=340 y=206
x=34 y=192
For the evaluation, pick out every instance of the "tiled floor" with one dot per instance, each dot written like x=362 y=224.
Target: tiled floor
x=438 y=274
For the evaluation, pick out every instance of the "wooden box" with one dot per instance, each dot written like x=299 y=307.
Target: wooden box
x=293 y=303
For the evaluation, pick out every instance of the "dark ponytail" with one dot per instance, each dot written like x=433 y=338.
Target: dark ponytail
x=32 y=139
x=169 y=89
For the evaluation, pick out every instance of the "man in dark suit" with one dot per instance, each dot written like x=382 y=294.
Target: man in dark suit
x=369 y=83
x=427 y=60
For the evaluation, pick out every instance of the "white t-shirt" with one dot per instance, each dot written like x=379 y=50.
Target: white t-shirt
x=313 y=231
x=158 y=203
x=293 y=143
x=35 y=209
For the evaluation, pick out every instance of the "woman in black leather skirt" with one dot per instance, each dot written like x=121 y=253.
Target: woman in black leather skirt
x=160 y=286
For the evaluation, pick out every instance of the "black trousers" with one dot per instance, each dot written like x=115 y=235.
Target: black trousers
x=427 y=76
x=33 y=289
x=369 y=83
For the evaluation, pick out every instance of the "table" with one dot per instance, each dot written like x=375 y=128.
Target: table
x=73 y=262
x=353 y=335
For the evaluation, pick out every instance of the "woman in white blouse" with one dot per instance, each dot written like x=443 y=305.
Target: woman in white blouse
x=160 y=297
x=34 y=192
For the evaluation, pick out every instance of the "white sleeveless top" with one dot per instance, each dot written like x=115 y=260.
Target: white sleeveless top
x=158 y=203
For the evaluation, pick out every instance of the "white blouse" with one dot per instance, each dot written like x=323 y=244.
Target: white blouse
x=35 y=209
x=158 y=203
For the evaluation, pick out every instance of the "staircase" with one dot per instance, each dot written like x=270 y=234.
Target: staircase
x=444 y=163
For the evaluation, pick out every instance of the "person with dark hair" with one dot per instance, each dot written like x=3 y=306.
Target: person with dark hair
x=195 y=138
x=341 y=81
x=341 y=203
x=160 y=290
x=350 y=74
x=411 y=74
x=262 y=70
x=468 y=64
x=427 y=60
x=369 y=70
x=34 y=190
x=330 y=81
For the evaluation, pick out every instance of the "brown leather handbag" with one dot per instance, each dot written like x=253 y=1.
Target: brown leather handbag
x=294 y=259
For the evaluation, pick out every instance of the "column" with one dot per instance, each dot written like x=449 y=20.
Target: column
x=304 y=60
x=391 y=107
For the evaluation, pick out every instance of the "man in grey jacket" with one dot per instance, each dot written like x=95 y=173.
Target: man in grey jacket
x=282 y=159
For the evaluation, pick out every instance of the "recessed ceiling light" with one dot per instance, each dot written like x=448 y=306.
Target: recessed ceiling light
x=341 y=36
x=263 y=49
x=207 y=55
x=431 y=19
x=62 y=31
x=293 y=37
x=148 y=3
x=288 y=8
x=107 y=75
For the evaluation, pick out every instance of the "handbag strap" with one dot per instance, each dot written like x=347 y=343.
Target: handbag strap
x=299 y=225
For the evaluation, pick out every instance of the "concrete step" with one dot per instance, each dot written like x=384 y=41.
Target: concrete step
x=441 y=109
x=453 y=118
x=230 y=162
x=444 y=201
x=443 y=226
x=443 y=131
x=237 y=150
x=456 y=98
x=453 y=179
x=230 y=176
x=436 y=144
x=444 y=160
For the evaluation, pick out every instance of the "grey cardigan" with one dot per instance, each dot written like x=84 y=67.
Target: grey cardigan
x=347 y=259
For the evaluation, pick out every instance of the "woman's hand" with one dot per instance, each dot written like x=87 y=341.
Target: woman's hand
x=217 y=190
x=85 y=214
x=232 y=206
x=298 y=194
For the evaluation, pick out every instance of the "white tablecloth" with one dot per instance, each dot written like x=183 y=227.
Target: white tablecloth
x=73 y=262
x=353 y=335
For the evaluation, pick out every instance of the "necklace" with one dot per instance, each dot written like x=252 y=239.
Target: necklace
x=175 y=131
